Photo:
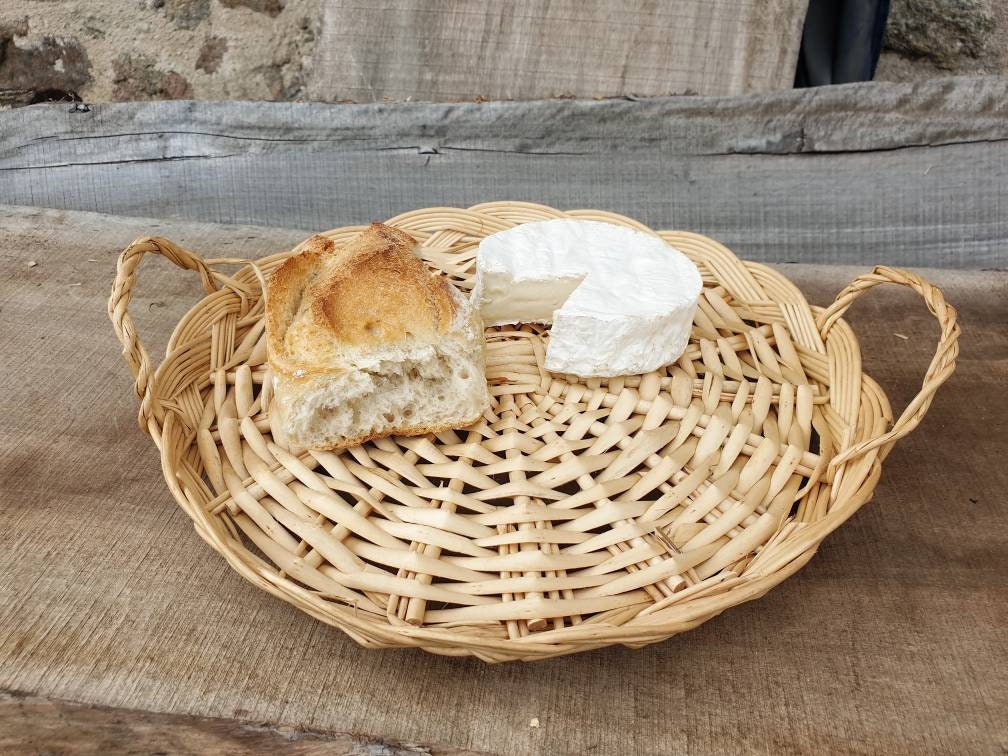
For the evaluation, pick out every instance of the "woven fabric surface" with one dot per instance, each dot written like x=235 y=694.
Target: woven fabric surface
x=890 y=639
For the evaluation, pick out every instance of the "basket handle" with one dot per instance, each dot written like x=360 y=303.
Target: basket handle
x=941 y=367
x=134 y=351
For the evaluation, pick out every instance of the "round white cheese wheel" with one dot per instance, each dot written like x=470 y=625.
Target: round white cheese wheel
x=619 y=301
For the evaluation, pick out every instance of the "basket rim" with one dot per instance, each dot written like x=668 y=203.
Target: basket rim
x=854 y=469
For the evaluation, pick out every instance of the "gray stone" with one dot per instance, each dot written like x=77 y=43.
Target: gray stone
x=211 y=54
x=136 y=77
x=269 y=7
x=943 y=32
x=187 y=14
x=49 y=68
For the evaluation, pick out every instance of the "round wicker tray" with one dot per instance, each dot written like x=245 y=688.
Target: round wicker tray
x=576 y=514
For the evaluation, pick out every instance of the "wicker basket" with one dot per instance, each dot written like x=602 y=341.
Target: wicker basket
x=576 y=514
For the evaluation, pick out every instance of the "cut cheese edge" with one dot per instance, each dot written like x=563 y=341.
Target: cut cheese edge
x=619 y=301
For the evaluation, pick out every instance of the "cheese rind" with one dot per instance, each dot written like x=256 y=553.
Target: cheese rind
x=620 y=301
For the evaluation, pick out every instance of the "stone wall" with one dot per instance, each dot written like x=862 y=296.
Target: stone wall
x=155 y=49
x=103 y=50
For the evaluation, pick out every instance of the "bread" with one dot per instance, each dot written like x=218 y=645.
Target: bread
x=365 y=342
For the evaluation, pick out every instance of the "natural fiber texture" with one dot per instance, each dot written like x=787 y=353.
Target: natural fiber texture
x=576 y=514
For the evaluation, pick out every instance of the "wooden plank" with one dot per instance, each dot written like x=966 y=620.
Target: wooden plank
x=903 y=174
x=451 y=50
x=891 y=639
x=35 y=725
x=848 y=118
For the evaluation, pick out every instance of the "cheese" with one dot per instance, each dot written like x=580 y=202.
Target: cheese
x=620 y=301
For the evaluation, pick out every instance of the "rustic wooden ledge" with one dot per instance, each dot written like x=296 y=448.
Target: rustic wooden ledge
x=902 y=174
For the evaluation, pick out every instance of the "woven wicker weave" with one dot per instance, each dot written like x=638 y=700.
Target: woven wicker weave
x=577 y=514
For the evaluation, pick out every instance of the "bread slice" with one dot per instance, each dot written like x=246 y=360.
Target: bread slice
x=365 y=342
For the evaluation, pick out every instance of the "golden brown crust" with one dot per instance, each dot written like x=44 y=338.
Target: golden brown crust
x=286 y=287
x=378 y=294
x=374 y=291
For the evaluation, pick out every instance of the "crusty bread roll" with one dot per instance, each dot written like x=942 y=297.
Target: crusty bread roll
x=365 y=342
